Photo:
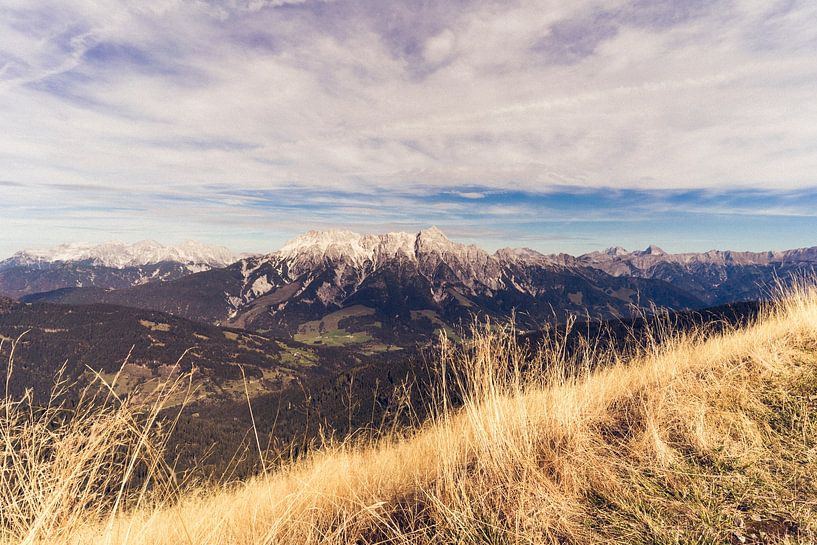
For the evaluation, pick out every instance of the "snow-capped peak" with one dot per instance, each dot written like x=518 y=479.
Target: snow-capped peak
x=323 y=242
x=119 y=255
x=652 y=249
x=615 y=251
x=337 y=244
x=432 y=233
x=334 y=244
x=521 y=255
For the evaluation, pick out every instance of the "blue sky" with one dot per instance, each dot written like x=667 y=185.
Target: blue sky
x=562 y=126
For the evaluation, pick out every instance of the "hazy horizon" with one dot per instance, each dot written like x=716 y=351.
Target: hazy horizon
x=491 y=247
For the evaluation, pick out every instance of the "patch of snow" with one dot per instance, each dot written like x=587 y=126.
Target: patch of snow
x=197 y=256
x=335 y=245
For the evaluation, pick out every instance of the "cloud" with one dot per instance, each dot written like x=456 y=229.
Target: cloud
x=470 y=194
x=144 y=102
x=440 y=48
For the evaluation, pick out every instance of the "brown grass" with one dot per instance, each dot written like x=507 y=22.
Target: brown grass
x=702 y=438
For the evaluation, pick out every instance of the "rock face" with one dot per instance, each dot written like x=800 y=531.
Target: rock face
x=112 y=265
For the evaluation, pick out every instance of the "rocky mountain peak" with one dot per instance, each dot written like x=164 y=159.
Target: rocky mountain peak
x=520 y=255
x=396 y=244
x=616 y=251
x=320 y=241
x=432 y=233
x=359 y=255
x=339 y=245
x=652 y=249
x=433 y=241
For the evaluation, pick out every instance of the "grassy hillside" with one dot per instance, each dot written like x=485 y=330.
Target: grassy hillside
x=704 y=437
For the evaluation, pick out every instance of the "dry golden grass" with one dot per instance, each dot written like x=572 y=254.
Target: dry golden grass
x=702 y=438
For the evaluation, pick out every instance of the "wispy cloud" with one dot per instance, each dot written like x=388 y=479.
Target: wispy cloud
x=564 y=219
x=379 y=113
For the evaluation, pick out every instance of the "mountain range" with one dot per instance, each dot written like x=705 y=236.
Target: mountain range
x=340 y=288
x=111 y=265
x=715 y=277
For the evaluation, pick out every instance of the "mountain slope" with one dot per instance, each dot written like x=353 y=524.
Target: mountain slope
x=702 y=439
x=101 y=338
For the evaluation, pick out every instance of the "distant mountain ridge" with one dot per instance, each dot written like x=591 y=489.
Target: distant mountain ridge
x=338 y=286
x=111 y=265
x=120 y=255
x=715 y=276
x=653 y=255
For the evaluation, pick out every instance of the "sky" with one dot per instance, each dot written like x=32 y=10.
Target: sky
x=560 y=126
